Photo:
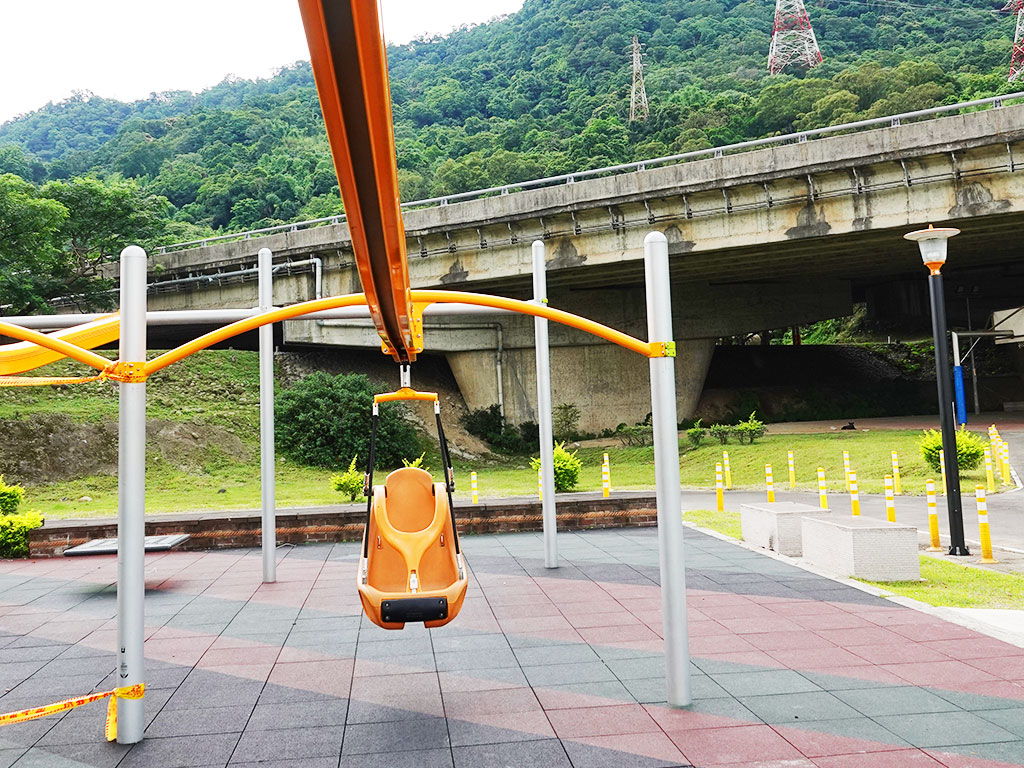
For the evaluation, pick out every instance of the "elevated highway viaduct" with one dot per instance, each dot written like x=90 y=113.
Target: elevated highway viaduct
x=766 y=238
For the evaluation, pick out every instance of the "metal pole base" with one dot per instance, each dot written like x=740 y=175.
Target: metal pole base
x=959 y=551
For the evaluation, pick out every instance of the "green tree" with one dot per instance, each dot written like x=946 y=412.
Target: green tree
x=32 y=265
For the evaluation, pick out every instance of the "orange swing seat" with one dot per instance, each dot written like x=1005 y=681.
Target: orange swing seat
x=411 y=568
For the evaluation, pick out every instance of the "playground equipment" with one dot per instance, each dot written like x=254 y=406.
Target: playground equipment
x=414 y=569
x=346 y=46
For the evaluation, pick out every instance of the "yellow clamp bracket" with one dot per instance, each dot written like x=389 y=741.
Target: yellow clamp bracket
x=127 y=692
x=127 y=373
x=416 y=321
x=663 y=349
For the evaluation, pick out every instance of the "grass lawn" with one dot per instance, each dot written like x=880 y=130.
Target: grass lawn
x=960 y=586
x=727 y=523
x=220 y=484
x=870 y=458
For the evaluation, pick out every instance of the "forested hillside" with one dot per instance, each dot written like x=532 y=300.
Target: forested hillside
x=543 y=91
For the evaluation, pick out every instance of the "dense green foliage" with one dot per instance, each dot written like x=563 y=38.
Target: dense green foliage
x=488 y=424
x=567 y=468
x=10 y=497
x=970 y=449
x=350 y=482
x=542 y=91
x=14 y=530
x=323 y=419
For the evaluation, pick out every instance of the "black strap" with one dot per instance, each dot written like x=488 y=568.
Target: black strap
x=368 y=484
x=449 y=476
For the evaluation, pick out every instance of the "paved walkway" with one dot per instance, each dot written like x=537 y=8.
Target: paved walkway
x=543 y=668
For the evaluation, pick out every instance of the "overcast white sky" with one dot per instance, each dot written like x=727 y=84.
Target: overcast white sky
x=127 y=49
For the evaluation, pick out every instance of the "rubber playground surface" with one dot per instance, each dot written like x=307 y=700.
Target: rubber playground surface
x=542 y=668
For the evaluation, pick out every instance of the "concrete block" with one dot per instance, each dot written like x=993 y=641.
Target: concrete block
x=776 y=526
x=861 y=547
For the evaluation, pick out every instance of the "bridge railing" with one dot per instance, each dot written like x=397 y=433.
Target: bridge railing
x=611 y=170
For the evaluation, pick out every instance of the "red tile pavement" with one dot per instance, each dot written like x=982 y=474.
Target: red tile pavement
x=602 y=721
x=656 y=746
x=902 y=758
x=743 y=743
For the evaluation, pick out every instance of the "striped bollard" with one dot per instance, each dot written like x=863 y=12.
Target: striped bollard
x=990 y=478
x=1006 y=462
x=846 y=469
x=986 y=536
x=933 y=516
x=897 y=485
x=768 y=483
x=890 y=500
x=540 y=485
x=606 y=478
x=854 y=495
x=719 y=489
x=942 y=467
x=822 y=493
x=792 y=471
x=473 y=488
x=728 y=471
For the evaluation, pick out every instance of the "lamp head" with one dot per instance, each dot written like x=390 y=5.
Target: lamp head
x=932 y=243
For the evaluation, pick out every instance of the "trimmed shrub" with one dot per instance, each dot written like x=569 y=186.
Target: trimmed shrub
x=567 y=468
x=637 y=435
x=350 y=482
x=970 y=449
x=323 y=418
x=416 y=463
x=696 y=434
x=14 y=529
x=721 y=432
x=749 y=430
x=10 y=497
x=488 y=424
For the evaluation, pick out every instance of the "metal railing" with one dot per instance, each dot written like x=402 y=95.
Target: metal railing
x=640 y=165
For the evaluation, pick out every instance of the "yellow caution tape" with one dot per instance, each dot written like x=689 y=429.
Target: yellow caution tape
x=128 y=692
x=129 y=373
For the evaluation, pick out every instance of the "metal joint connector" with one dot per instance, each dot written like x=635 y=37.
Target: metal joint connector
x=128 y=373
x=663 y=349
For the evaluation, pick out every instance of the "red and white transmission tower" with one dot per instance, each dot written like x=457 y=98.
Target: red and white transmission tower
x=1017 y=57
x=793 y=40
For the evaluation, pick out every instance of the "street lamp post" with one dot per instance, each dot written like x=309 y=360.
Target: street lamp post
x=933 y=244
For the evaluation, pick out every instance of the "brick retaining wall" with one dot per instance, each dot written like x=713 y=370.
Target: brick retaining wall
x=223 y=530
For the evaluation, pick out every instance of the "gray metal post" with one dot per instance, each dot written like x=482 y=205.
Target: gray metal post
x=666 y=472
x=267 y=501
x=547 y=441
x=131 y=497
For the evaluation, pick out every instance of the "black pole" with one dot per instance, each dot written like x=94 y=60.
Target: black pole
x=945 y=383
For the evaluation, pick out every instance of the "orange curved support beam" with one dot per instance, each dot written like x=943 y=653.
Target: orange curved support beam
x=250 y=324
x=541 y=310
x=346 y=48
x=43 y=348
x=405 y=393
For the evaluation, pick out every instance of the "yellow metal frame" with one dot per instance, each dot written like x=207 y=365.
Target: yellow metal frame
x=405 y=393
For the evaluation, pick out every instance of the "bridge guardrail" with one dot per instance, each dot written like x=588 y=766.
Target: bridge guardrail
x=639 y=165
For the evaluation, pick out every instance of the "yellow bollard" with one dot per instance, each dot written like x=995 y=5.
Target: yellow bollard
x=728 y=472
x=606 y=477
x=942 y=467
x=896 y=483
x=792 y=471
x=540 y=485
x=1007 y=478
x=854 y=495
x=986 y=536
x=822 y=493
x=990 y=479
x=719 y=490
x=846 y=469
x=890 y=500
x=933 y=516
x=473 y=488
x=768 y=482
